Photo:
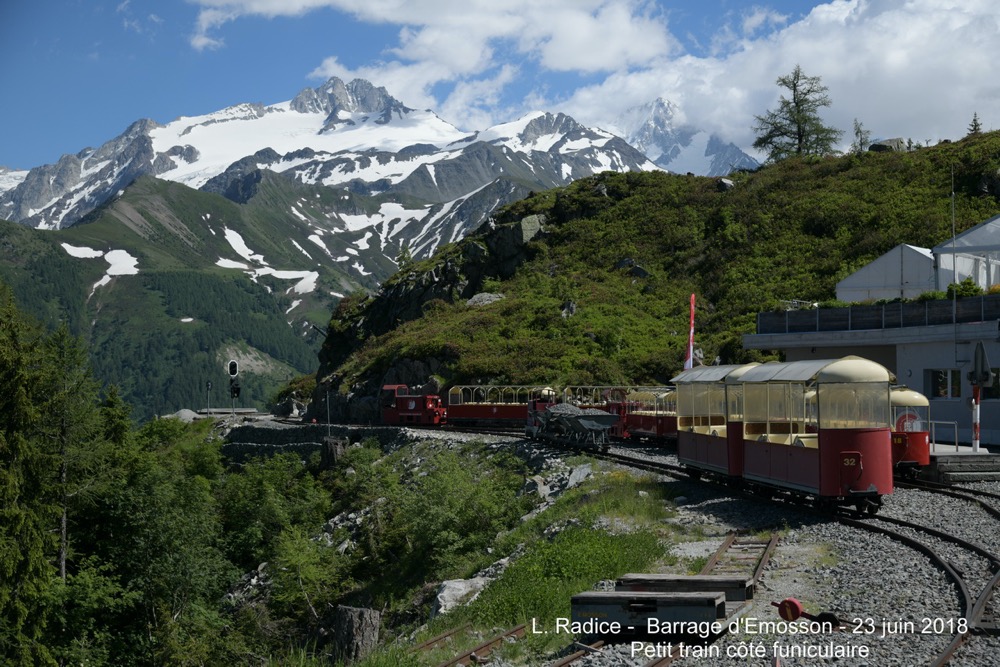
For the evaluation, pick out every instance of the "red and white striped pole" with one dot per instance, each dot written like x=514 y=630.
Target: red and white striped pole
x=689 y=361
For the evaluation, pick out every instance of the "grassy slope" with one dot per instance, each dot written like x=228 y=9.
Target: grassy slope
x=788 y=231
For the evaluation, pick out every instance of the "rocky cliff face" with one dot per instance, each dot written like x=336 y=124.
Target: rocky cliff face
x=57 y=195
x=494 y=251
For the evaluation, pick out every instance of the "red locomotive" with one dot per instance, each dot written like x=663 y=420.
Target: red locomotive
x=818 y=429
x=401 y=406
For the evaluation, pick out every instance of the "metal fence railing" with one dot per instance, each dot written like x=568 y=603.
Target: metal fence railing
x=881 y=316
x=934 y=429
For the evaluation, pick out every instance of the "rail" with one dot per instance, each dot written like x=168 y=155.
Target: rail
x=479 y=653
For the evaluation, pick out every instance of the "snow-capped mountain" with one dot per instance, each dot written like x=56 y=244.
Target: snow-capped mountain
x=406 y=175
x=679 y=148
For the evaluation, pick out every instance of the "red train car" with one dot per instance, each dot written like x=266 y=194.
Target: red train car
x=401 y=406
x=709 y=418
x=651 y=414
x=493 y=405
x=818 y=428
x=911 y=449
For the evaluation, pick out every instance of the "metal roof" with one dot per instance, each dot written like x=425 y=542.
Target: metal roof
x=707 y=373
x=848 y=369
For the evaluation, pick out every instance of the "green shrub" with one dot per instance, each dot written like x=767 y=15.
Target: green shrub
x=933 y=296
x=967 y=287
x=540 y=584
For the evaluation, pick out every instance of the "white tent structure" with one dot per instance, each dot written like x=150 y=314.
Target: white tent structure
x=905 y=272
x=975 y=253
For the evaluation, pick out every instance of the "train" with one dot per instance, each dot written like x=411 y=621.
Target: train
x=788 y=437
x=911 y=449
x=818 y=429
x=644 y=413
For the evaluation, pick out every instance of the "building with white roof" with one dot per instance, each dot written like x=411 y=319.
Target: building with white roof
x=929 y=345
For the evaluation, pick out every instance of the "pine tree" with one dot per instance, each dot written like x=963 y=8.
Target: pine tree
x=116 y=416
x=975 y=127
x=862 y=138
x=27 y=511
x=72 y=423
x=795 y=128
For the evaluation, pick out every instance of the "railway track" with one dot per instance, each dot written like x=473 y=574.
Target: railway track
x=736 y=553
x=981 y=607
x=480 y=653
x=734 y=568
x=979 y=615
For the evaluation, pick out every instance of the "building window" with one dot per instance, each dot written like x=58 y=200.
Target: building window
x=992 y=393
x=944 y=383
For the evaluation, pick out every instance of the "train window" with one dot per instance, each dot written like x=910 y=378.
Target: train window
x=943 y=383
x=685 y=406
x=755 y=408
x=734 y=396
x=854 y=405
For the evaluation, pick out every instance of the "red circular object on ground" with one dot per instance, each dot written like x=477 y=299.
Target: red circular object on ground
x=790 y=609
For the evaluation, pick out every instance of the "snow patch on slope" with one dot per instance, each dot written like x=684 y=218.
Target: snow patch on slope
x=693 y=157
x=120 y=262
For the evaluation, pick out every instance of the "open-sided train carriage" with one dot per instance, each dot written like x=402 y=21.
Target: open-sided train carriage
x=494 y=405
x=817 y=428
x=710 y=432
x=911 y=448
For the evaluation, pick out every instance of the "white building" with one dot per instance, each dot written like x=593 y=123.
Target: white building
x=975 y=253
x=929 y=345
x=904 y=272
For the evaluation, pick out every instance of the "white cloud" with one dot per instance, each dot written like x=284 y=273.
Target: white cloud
x=608 y=39
x=469 y=45
x=758 y=19
x=910 y=68
x=915 y=68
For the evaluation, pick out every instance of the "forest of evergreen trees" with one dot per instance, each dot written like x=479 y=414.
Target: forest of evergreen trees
x=118 y=543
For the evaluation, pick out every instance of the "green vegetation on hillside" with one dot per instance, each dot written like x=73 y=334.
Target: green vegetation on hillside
x=787 y=231
x=162 y=334
x=145 y=546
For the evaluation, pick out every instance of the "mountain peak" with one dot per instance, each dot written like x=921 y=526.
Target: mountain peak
x=656 y=129
x=335 y=96
x=547 y=123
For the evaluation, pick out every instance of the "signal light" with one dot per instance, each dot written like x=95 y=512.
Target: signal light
x=234 y=368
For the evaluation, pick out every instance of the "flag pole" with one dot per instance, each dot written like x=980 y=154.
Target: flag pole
x=689 y=361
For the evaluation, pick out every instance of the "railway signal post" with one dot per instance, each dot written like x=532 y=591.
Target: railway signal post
x=234 y=384
x=981 y=376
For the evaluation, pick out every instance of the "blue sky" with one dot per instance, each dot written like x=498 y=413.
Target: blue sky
x=76 y=73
